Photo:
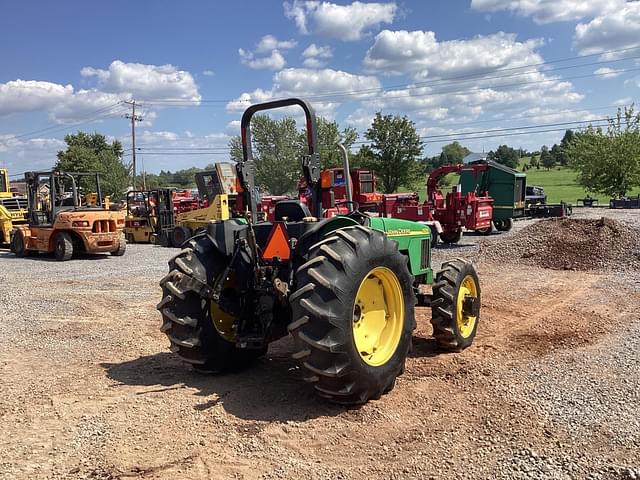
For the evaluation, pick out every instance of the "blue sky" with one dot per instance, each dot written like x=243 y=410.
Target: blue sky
x=463 y=69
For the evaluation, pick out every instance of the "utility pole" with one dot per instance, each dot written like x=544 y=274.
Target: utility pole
x=134 y=118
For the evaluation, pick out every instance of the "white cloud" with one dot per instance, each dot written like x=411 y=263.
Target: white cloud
x=208 y=73
x=315 y=56
x=233 y=127
x=121 y=81
x=33 y=154
x=345 y=22
x=546 y=11
x=419 y=53
x=269 y=43
x=303 y=82
x=62 y=102
x=150 y=136
x=315 y=51
x=145 y=82
x=273 y=62
x=615 y=30
x=606 y=72
x=31 y=95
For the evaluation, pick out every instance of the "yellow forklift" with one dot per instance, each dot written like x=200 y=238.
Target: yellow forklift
x=13 y=208
x=217 y=188
x=140 y=222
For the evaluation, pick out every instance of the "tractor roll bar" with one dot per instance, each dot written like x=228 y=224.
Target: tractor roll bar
x=310 y=163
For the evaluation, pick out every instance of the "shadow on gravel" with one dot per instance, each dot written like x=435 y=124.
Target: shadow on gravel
x=48 y=257
x=425 y=347
x=272 y=389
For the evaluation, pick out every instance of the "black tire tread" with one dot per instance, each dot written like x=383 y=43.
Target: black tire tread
x=320 y=334
x=443 y=304
x=66 y=240
x=186 y=314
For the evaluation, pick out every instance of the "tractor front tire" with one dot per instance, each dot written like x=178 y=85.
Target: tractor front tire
x=451 y=236
x=455 y=305
x=122 y=247
x=353 y=315
x=63 y=247
x=187 y=311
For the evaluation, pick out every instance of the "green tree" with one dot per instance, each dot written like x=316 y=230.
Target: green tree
x=547 y=160
x=609 y=162
x=535 y=161
x=90 y=152
x=329 y=135
x=565 y=143
x=277 y=152
x=394 y=150
x=556 y=153
x=505 y=155
x=453 y=153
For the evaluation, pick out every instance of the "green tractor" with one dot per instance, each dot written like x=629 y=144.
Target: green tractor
x=344 y=287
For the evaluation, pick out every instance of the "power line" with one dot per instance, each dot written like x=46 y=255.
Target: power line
x=442 y=81
x=86 y=119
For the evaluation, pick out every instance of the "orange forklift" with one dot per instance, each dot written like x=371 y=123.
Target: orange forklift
x=64 y=221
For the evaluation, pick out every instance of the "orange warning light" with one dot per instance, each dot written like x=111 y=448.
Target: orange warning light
x=277 y=244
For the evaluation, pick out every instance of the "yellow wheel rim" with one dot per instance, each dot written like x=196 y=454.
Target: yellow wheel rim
x=224 y=322
x=378 y=316
x=465 y=320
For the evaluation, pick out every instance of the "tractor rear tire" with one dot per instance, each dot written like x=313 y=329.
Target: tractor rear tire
x=63 y=247
x=451 y=236
x=345 y=274
x=186 y=311
x=122 y=247
x=454 y=323
x=504 y=225
x=18 y=245
x=180 y=235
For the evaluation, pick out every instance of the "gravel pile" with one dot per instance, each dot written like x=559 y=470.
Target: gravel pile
x=571 y=244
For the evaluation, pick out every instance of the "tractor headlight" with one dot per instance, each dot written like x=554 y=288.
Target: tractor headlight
x=80 y=223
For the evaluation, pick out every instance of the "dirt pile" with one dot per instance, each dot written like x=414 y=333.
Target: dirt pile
x=571 y=244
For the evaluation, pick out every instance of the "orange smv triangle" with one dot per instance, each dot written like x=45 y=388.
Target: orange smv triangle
x=277 y=244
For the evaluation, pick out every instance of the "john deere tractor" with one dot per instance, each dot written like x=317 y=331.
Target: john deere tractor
x=344 y=287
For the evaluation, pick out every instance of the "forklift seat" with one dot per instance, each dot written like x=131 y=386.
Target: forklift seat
x=292 y=210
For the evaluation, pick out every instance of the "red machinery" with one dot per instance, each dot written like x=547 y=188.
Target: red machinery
x=452 y=213
x=185 y=201
x=333 y=183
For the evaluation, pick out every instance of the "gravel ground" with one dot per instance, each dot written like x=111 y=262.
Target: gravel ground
x=549 y=389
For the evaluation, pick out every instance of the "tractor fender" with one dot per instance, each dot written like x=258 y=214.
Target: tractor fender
x=223 y=234
x=320 y=230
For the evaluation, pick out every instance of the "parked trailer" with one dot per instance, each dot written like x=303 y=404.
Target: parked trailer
x=625 y=202
x=506 y=186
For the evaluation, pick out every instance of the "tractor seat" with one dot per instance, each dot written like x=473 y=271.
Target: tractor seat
x=292 y=210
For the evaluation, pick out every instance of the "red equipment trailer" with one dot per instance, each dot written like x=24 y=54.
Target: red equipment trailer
x=451 y=213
